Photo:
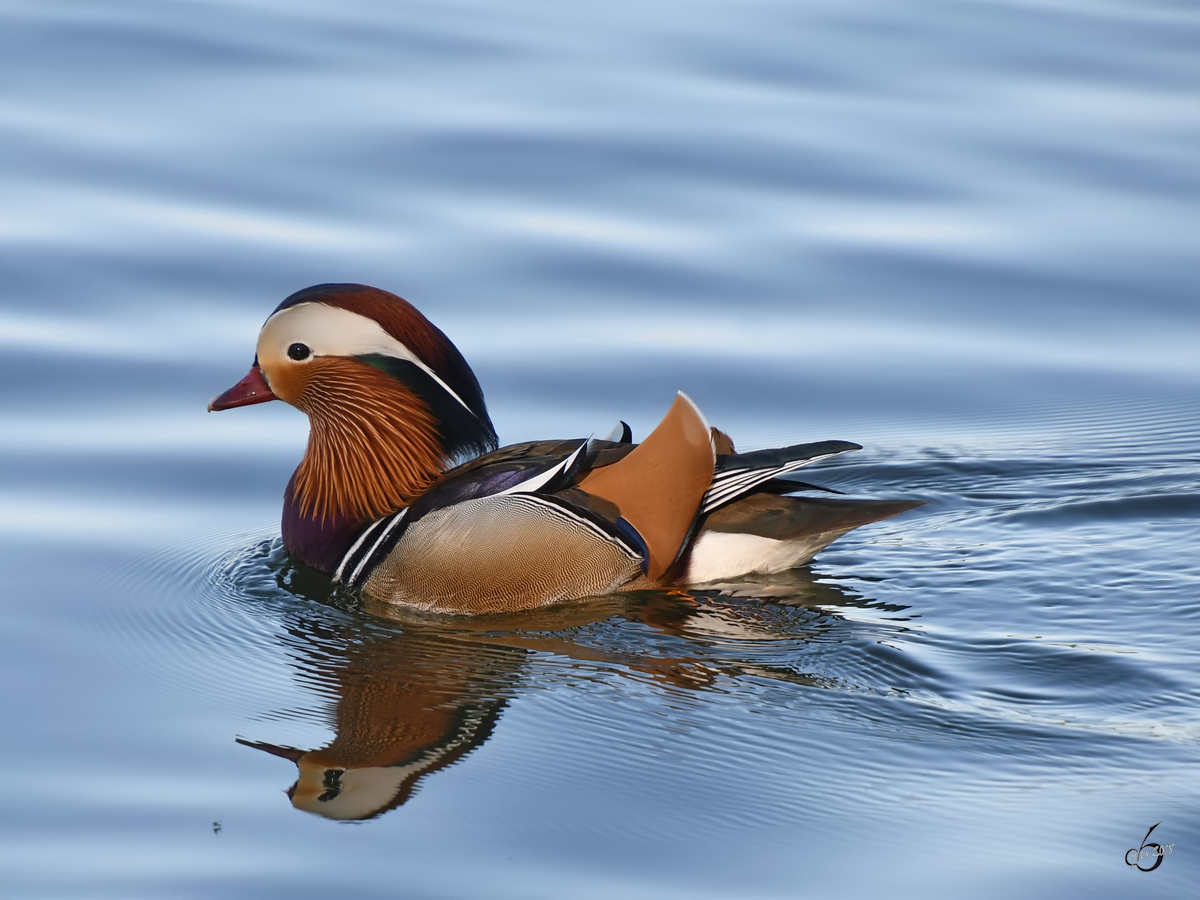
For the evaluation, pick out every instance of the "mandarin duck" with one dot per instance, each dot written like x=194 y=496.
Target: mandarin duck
x=403 y=493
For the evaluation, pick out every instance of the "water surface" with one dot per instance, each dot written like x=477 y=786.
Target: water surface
x=961 y=234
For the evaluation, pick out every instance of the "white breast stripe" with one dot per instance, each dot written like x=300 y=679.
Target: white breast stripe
x=337 y=576
x=375 y=546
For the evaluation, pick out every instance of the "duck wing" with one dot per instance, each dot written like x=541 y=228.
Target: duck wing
x=544 y=472
x=739 y=474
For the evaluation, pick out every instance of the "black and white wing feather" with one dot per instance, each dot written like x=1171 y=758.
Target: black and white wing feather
x=738 y=474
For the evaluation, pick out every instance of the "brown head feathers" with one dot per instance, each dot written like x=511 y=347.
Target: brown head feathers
x=405 y=323
x=390 y=400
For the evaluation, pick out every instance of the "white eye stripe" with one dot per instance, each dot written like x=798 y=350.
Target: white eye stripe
x=331 y=331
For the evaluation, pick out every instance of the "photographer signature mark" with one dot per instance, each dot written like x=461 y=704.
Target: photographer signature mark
x=1147 y=851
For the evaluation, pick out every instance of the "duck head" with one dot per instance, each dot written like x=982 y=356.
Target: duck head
x=391 y=403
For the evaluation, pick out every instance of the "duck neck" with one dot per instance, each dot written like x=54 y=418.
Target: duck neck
x=372 y=448
x=374 y=445
x=320 y=542
x=333 y=495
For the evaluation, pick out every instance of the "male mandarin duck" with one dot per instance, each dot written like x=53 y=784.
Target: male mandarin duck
x=403 y=493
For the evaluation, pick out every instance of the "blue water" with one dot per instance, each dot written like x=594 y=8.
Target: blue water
x=962 y=234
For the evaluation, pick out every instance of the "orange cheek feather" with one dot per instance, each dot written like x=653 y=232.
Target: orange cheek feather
x=287 y=380
x=373 y=445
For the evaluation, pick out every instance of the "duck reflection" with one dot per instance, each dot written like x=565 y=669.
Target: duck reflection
x=414 y=695
x=406 y=704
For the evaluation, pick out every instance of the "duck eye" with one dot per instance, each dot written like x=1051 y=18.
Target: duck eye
x=299 y=352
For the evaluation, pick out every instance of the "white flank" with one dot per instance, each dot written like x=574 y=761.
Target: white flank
x=720 y=555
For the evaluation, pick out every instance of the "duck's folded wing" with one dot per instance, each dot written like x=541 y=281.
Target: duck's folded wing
x=535 y=467
x=739 y=474
x=504 y=553
x=543 y=472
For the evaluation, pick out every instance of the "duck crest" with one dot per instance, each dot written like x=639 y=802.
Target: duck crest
x=406 y=324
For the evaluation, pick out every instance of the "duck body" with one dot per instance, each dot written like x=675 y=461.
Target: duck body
x=403 y=493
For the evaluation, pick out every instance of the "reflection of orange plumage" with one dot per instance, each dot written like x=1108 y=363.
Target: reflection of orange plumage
x=383 y=722
x=406 y=706
x=403 y=493
x=412 y=701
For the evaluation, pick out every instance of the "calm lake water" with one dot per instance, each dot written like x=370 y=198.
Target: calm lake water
x=963 y=234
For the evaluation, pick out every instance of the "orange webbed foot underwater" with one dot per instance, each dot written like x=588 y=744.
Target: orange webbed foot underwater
x=403 y=493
